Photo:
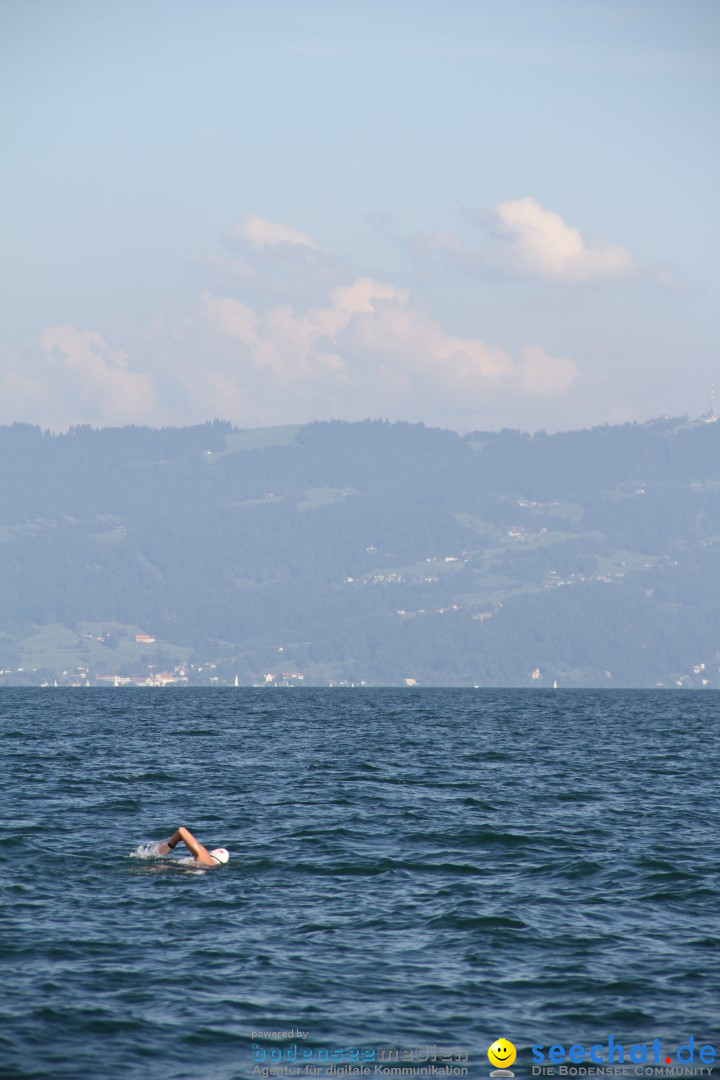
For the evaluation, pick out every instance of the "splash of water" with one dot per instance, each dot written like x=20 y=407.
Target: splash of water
x=149 y=850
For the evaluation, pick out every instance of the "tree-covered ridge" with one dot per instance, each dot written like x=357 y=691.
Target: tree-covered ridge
x=366 y=551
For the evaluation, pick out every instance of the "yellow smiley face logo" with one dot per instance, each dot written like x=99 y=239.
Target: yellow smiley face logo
x=502 y=1053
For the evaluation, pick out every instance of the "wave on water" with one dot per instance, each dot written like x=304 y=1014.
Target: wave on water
x=533 y=877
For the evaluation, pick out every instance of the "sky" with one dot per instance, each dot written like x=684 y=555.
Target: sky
x=476 y=214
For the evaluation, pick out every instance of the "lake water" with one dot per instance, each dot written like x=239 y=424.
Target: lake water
x=413 y=872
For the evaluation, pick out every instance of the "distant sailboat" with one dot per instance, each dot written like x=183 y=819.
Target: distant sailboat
x=554 y=684
x=236 y=681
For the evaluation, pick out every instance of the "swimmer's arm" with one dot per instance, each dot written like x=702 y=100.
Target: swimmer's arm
x=201 y=853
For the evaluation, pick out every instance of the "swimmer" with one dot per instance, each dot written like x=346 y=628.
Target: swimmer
x=216 y=857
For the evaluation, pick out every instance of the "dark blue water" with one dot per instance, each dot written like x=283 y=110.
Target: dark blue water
x=409 y=868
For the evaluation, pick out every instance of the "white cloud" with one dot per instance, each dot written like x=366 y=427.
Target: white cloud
x=261 y=233
x=362 y=295
x=232 y=317
x=408 y=338
x=368 y=351
x=288 y=345
x=273 y=261
x=73 y=376
x=346 y=348
x=542 y=375
x=297 y=346
x=537 y=242
x=523 y=239
x=101 y=375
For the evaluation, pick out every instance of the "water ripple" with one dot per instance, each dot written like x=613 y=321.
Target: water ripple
x=434 y=866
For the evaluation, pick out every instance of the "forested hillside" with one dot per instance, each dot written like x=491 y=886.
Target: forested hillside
x=366 y=552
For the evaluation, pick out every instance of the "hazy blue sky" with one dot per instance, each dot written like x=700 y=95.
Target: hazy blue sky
x=475 y=213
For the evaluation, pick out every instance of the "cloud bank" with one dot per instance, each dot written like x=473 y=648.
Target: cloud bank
x=367 y=351
x=71 y=376
x=348 y=347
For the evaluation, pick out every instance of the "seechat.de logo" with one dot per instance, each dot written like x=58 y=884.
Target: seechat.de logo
x=501 y=1054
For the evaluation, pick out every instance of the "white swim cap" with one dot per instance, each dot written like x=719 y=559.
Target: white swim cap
x=221 y=854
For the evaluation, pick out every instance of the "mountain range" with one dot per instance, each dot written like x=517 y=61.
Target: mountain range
x=361 y=553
